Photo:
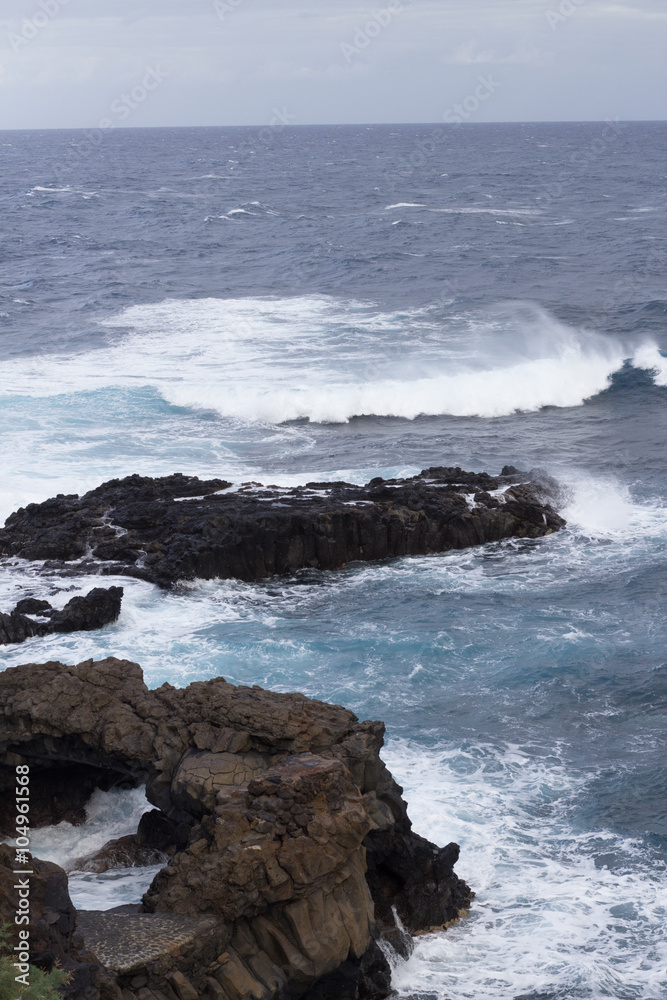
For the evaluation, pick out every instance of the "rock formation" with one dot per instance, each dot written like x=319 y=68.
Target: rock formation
x=180 y=527
x=288 y=841
x=99 y=607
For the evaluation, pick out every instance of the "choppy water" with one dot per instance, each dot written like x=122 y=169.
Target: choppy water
x=214 y=302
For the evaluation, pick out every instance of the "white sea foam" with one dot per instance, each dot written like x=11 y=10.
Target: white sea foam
x=648 y=356
x=275 y=360
x=547 y=917
x=260 y=633
x=108 y=815
x=473 y=210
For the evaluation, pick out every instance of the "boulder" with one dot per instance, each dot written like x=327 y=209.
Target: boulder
x=99 y=607
x=123 y=852
x=281 y=824
x=179 y=527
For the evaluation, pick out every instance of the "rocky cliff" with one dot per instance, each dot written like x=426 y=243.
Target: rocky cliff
x=180 y=527
x=288 y=842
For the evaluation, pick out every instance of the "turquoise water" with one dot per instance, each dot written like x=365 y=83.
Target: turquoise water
x=341 y=327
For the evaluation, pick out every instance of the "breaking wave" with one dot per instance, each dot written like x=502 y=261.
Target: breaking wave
x=259 y=360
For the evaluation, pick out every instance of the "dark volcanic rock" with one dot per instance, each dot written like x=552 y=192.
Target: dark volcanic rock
x=124 y=852
x=98 y=608
x=283 y=825
x=180 y=527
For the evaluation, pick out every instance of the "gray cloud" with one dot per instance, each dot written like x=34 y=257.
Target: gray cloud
x=67 y=63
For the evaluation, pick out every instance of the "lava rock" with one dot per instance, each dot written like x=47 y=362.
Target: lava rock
x=52 y=922
x=180 y=527
x=99 y=607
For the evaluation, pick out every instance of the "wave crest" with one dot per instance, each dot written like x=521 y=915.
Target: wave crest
x=326 y=360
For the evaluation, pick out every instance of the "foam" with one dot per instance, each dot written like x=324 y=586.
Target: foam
x=649 y=356
x=268 y=361
x=109 y=815
x=547 y=920
x=472 y=210
x=261 y=633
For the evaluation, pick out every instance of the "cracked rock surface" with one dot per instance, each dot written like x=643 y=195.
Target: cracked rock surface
x=282 y=829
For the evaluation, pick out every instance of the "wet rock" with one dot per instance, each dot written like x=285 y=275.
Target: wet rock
x=99 y=607
x=284 y=828
x=159 y=832
x=180 y=527
x=32 y=606
x=124 y=852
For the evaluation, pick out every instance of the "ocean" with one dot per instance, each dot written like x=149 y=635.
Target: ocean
x=279 y=305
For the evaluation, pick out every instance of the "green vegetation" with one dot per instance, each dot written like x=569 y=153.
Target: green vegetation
x=43 y=985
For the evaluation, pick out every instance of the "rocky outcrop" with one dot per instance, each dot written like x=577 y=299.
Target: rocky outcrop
x=180 y=527
x=99 y=607
x=283 y=827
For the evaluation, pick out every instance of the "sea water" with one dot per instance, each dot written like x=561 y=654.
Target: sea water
x=324 y=303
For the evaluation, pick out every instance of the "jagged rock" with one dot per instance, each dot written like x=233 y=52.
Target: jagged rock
x=32 y=606
x=179 y=527
x=124 y=852
x=286 y=828
x=99 y=607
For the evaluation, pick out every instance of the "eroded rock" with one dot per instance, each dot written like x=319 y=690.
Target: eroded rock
x=52 y=921
x=180 y=527
x=282 y=823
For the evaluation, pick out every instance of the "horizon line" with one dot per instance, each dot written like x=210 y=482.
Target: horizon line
x=303 y=125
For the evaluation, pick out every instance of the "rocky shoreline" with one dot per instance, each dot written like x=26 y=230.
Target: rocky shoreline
x=289 y=865
x=180 y=527
x=288 y=848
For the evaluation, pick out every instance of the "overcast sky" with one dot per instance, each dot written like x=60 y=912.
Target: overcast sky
x=77 y=63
